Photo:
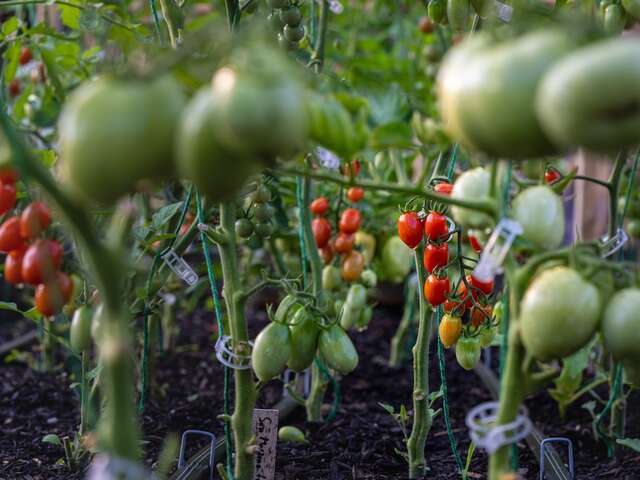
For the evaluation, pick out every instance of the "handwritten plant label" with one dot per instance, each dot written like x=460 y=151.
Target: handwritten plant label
x=265 y=427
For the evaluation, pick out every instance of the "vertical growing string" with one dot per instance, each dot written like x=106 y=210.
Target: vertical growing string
x=145 y=313
x=218 y=312
x=303 y=250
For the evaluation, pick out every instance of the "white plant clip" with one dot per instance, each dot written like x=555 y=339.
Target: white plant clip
x=105 y=467
x=328 y=159
x=503 y=11
x=180 y=267
x=613 y=244
x=496 y=250
x=490 y=437
x=334 y=5
x=228 y=357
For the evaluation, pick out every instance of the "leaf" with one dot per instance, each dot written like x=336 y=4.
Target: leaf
x=10 y=26
x=389 y=408
x=404 y=416
x=69 y=15
x=52 y=439
x=49 y=60
x=12 y=57
x=632 y=443
x=166 y=213
x=395 y=134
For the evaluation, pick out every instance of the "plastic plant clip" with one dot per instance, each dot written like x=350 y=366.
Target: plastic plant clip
x=180 y=267
x=496 y=249
x=334 y=5
x=328 y=159
x=543 y=454
x=490 y=437
x=212 y=451
x=287 y=376
x=612 y=245
x=228 y=357
x=106 y=467
x=503 y=11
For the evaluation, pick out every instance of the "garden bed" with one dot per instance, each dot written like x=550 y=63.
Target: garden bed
x=359 y=444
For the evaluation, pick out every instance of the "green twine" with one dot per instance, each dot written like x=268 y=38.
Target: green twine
x=445 y=398
x=632 y=177
x=452 y=162
x=156 y=19
x=218 y=312
x=337 y=395
x=145 y=313
x=301 y=216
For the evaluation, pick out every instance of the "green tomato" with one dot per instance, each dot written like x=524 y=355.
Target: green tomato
x=486 y=92
x=458 y=14
x=558 y=314
x=632 y=7
x=263 y=212
x=80 y=331
x=369 y=278
x=271 y=351
x=331 y=278
x=115 y=134
x=471 y=185
x=294 y=33
x=201 y=156
x=367 y=242
x=365 y=318
x=291 y=434
x=261 y=195
x=540 y=212
x=244 y=227
x=254 y=242
x=304 y=341
x=397 y=259
x=290 y=16
x=633 y=228
x=436 y=10
x=570 y=112
x=330 y=124
x=287 y=307
x=614 y=19
x=468 y=352
x=621 y=324
x=264 y=229
x=486 y=336
x=274 y=21
x=349 y=316
x=337 y=349
x=356 y=296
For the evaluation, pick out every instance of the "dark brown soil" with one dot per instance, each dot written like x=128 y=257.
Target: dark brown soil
x=359 y=444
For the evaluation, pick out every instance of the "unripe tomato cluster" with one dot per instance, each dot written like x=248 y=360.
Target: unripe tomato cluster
x=32 y=259
x=286 y=18
x=257 y=224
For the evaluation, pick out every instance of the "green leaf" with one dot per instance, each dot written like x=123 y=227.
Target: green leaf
x=70 y=16
x=395 y=135
x=10 y=26
x=632 y=443
x=389 y=408
x=166 y=213
x=12 y=57
x=49 y=60
x=404 y=416
x=52 y=438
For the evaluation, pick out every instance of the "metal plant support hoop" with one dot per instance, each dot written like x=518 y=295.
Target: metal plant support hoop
x=490 y=437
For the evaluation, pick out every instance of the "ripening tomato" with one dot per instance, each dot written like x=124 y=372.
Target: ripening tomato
x=481 y=314
x=410 y=229
x=14 y=87
x=8 y=175
x=352 y=266
x=25 y=56
x=426 y=25
x=351 y=169
x=344 y=242
x=449 y=330
x=350 y=221
x=52 y=296
x=34 y=220
x=7 y=197
x=13 y=266
x=551 y=176
x=10 y=238
x=436 y=289
x=321 y=231
x=444 y=188
x=40 y=261
x=435 y=226
x=484 y=287
x=327 y=253
x=454 y=306
x=435 y=256
x=355 y=194
x=475 y=244
x=319 y=206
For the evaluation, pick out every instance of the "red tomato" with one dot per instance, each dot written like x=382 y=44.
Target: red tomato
x=355 y=194
x=435 y=256
x=484 y=287
x=321 y=231
x=436 y=289
x=410 y=229
x=462 y=294
x=41 y=261
x=451 y=305
x=10 y=238
x=14 y=87
x=551 y=176
x=52 y=296
x=34 y=220
x=352 y=266
x=25 y=56
x=350 y=221
x=351 y=169
x=8 y=175
x=7 y=197
x=426 y=25
x=319 y=206
x=480 y=314
x=475 y=244
x=435 y=226
x=444 y=188
x=13 y=266
x=344 y=242
x=327 y=253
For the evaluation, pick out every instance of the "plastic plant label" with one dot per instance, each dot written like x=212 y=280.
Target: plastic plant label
x=180 y=267
x=498 y=246
x=265 y=428
x=328 y=159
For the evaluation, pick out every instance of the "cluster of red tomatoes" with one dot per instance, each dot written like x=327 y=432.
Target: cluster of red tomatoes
x=350 y=220
x=37 y=74
x=31 y=259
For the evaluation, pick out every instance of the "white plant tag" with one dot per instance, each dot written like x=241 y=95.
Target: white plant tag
x=265 y=427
